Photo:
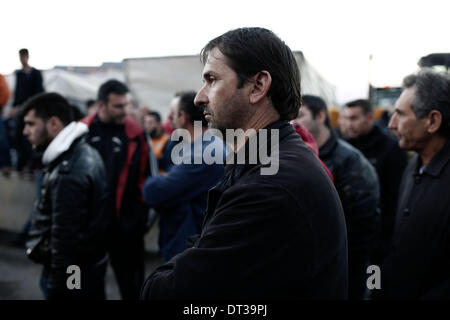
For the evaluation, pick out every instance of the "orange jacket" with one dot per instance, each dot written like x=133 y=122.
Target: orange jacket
x=4 y=91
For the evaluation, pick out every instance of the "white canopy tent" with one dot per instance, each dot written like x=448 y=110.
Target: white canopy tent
x=75 y=86
x=154 y=81
x=78 y=87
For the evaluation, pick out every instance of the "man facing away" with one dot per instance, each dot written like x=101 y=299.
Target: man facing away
x=384 y=154
x=418 y=264
x=122 y=146
x=274 y=226
x=180 y=195
x=69 y=222
x=357 y=185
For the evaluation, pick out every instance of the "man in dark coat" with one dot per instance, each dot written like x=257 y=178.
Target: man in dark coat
x=69 y=223
x=274 y=225
x=389 y=160
x=29 y=82
x=357 y=185
x=418 y=264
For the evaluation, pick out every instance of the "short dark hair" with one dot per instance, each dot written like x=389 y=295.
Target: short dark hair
x=90 y=103
x=76 y=112
x=432 y=93
x=251 y=50
x=156 y=115
x=186 y=104
x=23 y=51
x=111 y=86
x=49 y=104
x=364 y=104
x=316 y=104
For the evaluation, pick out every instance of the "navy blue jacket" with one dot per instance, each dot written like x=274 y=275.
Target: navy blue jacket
x=27 y=85
x=180 y=197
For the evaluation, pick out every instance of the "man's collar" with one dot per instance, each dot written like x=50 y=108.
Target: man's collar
x=235 y=170
x=63 y=141
x=329 y=145
x=281 y=125
x=368 y=139
x=438 y=162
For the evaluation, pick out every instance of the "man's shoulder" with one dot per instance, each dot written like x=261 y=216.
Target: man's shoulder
x=133 y=129
x=345 y=151
x=35 y=71
x=385 y=140
x=298 y=167
x=83 y=158
x=349 y=156
x=89 y=120
x=352 y=170
x=256 y=192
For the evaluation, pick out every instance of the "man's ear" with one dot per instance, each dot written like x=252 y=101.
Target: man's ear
x=260 y=86
x=321 y=117
x=183 y=118
x=371 y=117
x=100 y=104
x=54 y=126
x=434 y=121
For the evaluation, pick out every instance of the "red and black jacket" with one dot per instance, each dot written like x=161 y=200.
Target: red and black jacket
x=128 y=175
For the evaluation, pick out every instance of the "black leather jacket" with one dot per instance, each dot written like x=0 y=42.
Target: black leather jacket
x=390 y=161
x=357 y=184
x=68 y=221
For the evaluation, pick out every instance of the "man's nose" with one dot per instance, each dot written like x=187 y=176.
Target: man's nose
x=393 y=122
x=201 y=98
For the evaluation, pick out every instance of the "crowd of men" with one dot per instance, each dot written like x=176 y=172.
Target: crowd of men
x=340 y=200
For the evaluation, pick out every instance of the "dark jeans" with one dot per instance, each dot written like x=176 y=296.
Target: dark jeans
x=126 y=255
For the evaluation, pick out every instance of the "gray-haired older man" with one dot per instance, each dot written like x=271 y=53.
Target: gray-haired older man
x=418 y=264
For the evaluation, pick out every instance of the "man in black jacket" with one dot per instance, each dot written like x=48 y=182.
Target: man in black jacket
x=357 y=185
x=274 y=226
x=418 y=264
x=384 y=154
x=29 y=82
x=69 y=222
x=122 y=145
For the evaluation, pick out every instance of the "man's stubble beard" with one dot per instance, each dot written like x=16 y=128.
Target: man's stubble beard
x=46 y=141
x=233 y=115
